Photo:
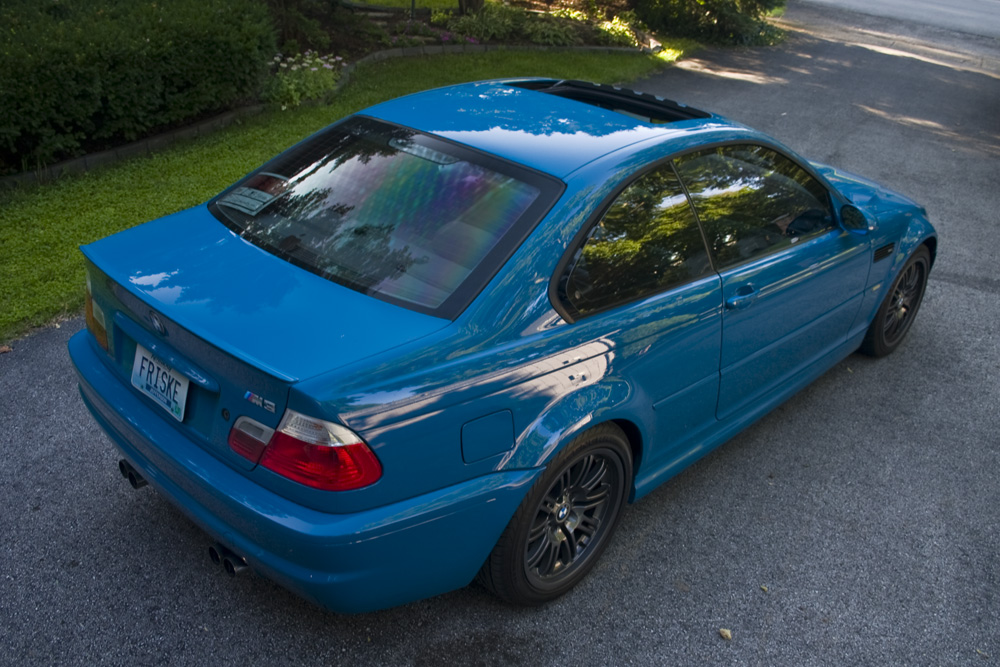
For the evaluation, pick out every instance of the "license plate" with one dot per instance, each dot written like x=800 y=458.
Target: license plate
x=164 y=385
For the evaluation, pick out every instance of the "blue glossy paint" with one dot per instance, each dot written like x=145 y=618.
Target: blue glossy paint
x=543 y=132
x=488 y=436
x=345 y=562
x=226 y=290
x=806 y=298
x=463 y=415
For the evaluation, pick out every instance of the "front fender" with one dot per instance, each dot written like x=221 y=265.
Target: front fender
x=916 y=231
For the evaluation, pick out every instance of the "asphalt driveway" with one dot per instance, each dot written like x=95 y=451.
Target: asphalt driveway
x=859 y=524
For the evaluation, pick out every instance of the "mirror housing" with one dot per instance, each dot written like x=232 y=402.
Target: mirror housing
x=854 y=220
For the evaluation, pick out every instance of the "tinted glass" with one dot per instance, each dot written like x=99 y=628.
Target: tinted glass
x=648 y=241
x=752 y=200
x=382 y=209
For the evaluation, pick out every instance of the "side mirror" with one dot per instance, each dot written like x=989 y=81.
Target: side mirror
x=854 y=220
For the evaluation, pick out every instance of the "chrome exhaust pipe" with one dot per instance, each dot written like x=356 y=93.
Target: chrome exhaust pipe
x=235 y=565
x=128 y=472
x=136 y=480
x=215 y=553
x=232 y=563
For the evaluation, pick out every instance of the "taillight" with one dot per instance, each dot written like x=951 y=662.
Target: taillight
x=96 y=323
x=248 y=438
x=309 y=451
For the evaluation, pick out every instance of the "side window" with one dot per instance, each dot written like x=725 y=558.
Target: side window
x=752 y=201
x=648 y=241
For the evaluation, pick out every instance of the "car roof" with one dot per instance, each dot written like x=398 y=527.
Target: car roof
x=546 y=124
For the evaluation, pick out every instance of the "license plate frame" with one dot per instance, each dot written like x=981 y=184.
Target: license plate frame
x=161 y=383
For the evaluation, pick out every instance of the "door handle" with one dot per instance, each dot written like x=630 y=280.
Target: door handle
x=744 y=298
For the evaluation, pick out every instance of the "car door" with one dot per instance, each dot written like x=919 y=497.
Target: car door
x=792 y=278
x=642 y=277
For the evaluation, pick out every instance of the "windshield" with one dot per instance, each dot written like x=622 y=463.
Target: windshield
x=390 y=212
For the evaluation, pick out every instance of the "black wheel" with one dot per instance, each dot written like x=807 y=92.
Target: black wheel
x=895 y=315
x=565 y=522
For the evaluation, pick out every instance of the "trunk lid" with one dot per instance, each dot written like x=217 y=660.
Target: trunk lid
x=233 y=325
x=264 y=311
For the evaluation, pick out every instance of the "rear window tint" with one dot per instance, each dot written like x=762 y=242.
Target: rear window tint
x=390 y=212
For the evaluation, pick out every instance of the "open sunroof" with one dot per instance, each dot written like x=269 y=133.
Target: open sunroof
x=642 y=106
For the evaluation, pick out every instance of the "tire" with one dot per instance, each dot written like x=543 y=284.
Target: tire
x=565 y=522
x=896 y=314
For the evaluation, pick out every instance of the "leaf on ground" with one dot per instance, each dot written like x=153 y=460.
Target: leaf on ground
x=4 y=349
x=725 y=634
x=763 y=588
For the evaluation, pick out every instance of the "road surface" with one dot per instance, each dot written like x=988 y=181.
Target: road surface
x=859 y=524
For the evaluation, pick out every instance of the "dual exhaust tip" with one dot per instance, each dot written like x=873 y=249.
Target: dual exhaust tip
x=131 y=474
x=231 y=562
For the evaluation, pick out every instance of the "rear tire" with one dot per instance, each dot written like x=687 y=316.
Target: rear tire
x=896 y=314
x=565 y=522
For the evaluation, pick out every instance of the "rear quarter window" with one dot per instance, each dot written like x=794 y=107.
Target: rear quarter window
x=648 y=241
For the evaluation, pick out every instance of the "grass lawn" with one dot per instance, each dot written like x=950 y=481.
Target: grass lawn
x=41 y=269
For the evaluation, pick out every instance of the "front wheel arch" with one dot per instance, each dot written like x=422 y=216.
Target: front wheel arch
x=899 y=307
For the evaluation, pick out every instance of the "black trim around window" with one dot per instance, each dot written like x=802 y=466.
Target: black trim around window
x=550 y=190
x=557 y=296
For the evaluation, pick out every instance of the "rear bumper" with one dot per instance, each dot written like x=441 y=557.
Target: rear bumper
x=349 y=563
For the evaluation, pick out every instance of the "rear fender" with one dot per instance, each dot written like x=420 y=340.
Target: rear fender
x=567 y=417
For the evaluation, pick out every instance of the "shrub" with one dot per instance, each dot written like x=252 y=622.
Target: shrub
x=493 y=21
x=549 y=31
x=84 y=75
x=299 y=78
x=729 y=21
x=440 y=17
x=300 y=23
x=617 y=32
x=571 y=14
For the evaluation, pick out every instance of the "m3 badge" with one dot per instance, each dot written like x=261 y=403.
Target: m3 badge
x=259 y=401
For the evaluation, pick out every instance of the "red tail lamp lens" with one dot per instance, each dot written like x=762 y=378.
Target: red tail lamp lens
x=320 y=454
x=96 y=322
x=248 y=438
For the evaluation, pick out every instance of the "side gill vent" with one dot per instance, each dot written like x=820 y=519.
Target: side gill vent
x=642 y=106
x=884 y=252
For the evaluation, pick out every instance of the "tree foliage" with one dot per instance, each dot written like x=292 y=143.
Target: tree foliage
x=728 y=21
x=647 y=241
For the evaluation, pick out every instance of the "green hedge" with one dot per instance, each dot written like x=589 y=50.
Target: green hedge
x=726 y=21
x=83 y=75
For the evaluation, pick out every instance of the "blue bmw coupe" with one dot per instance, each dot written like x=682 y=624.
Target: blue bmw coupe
x=450 y=337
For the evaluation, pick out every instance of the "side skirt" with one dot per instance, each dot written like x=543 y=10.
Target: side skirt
x=647 y=481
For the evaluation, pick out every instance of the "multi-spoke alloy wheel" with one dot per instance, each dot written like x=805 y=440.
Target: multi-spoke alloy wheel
x=565 y=521
x=899 y=308
x=907 y=292
x=570 y=517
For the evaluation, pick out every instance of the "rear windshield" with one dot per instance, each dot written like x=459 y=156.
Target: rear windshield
x=390 y=212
